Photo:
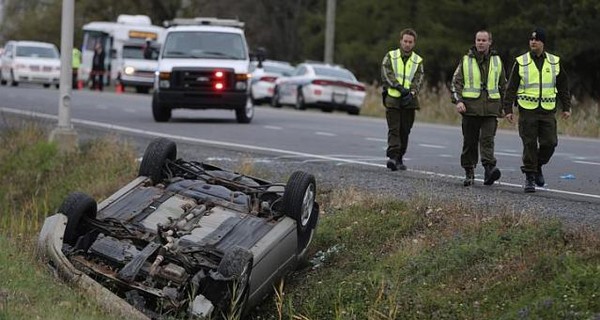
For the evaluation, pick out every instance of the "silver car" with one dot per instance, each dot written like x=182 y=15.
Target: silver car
x=184 y=239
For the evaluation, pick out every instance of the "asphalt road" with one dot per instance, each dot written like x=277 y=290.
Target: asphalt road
x=315 y=136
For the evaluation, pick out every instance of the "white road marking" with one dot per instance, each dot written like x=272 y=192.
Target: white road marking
x=273 y=127
x=258 y=148
x=588 y=162
x=327 y=134
x=431 y=146
x=376 y=139
x=507 y=154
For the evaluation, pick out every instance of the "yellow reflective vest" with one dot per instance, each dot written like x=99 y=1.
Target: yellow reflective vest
x=404 y=72
x=472 y=77
x=76 y=58
x=537 y=88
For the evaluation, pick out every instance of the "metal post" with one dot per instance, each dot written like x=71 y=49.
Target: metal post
x=330 y=31
x=64 y=135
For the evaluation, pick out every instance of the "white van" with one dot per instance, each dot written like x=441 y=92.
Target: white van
x=203 y=65
x=30 y=62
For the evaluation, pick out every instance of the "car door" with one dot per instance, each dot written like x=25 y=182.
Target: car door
x=288 y=89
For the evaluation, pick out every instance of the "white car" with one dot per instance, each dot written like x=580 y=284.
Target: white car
x=320 y=85
x=30 y=61
x=136 y=70
x=264 y=77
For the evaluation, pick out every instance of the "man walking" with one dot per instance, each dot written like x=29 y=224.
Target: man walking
x=535 y=83
x=402 y=77
x=477 y=89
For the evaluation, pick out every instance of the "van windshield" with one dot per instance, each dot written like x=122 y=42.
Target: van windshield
x=202 y=44
x=137 y=52
x=36 y=52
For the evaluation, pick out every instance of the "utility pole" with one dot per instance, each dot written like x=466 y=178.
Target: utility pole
x=64 y=135
x=330 y=31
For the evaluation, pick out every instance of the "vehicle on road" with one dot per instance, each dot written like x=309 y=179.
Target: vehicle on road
x=184 y=239
x=319 y=85
x=204 y=64
x=264 y=75
x=30 y=62
x=138 y=65
x=113 y=36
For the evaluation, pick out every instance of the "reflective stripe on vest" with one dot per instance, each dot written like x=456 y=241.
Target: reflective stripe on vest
x=537 y=88
x=404 y=73
x=472 y=77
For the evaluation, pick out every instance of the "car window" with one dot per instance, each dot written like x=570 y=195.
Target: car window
x=36 y=52
x=137 y=52
x=300 y=71
x=282 y=70
x=203 y=44
x=334 y=72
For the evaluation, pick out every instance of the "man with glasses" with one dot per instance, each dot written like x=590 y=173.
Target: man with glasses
x=537 y=82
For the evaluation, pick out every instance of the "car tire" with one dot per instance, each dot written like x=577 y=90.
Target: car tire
x=354 y=111
x=300 y=103
x=153 y=164
x=299 y=204
x=13 y=82
x=160 y=113
x=237 y=264
x=75 y=206
x=140 y=89
x=246 y=113
x=275 y=100
x=46 y=85
x=327 y=109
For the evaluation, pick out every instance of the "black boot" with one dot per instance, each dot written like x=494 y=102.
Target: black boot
x=400 y=164
x=529 y=182
x=539 y=177
x=491 y=174
x=391 y=164
x=469 y=177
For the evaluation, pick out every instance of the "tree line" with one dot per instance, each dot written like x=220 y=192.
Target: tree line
x=294 y=30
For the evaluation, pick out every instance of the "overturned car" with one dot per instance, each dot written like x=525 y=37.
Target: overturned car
x=184 y=239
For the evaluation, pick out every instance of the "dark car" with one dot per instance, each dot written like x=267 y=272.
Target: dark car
x=184 y=239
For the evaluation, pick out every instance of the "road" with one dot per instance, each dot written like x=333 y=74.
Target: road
x=574 y=171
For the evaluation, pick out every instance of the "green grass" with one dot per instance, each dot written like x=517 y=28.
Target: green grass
x=375 y=258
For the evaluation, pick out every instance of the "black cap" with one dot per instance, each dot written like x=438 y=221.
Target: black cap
x=538 y=34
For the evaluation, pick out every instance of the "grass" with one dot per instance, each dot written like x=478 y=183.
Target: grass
x=436 y=107
x=373 y=257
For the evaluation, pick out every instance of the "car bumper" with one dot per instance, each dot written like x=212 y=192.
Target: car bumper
x=38 y=77
x=262 y=91
x=137 y=81
x=341 y=99
x=202 y=100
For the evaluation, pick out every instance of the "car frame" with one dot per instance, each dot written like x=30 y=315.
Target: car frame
x=184 y=238
x=17 y=68
x=320 y=85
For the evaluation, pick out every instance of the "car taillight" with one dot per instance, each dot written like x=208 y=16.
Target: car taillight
x=219 y=86
x=219 y=74
x=357 y=87
x=324 y=82
x=268 y=79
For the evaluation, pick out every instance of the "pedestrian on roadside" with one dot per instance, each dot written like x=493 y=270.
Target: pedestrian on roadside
x=98 y=68
x=75 y=64
x=537 y=82
x=477 y=88
x=402 y=77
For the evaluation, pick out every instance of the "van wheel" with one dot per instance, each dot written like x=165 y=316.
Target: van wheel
x=160 y=113
x=245 y=114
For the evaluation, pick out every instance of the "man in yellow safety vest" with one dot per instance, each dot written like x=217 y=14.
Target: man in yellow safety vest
x=537 y=82
x=477 y=89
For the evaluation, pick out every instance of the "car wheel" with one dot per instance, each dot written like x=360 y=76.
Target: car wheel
x=327 y=109
x=275 y=100
x=140 y=89
x=46 y=85
x=75 y=206
x=2 y=81
x=13 y=82
x=245 y=114
x=354 y=111
x=300 y=103
x=236 y=264
x=299 y=204
x=158 y=152
x=160 y=113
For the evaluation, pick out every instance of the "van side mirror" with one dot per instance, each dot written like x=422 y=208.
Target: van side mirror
x=113 y=53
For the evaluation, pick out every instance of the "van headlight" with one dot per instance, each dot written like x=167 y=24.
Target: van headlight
x=129 y=70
